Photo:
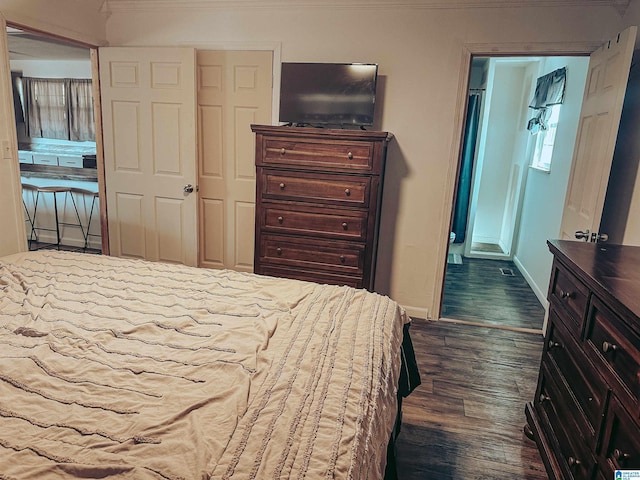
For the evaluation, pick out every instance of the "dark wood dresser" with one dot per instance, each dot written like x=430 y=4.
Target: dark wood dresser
x=585 y=416
x=318 y=198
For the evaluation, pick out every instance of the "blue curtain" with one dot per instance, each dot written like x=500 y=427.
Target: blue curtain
x=461 y=209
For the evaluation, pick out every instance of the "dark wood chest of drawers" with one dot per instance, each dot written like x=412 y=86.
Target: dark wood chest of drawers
x=585 y=416
x=318 y=198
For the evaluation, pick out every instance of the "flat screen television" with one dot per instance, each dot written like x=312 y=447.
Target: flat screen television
x=328 y=94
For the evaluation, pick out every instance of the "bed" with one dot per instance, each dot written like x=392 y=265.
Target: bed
x=126 y=369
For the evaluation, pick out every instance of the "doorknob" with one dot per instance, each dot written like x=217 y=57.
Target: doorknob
x=188 y=188
x=583 y=235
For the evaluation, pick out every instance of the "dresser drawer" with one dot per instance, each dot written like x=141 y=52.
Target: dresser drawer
x=621 y=443
x=556 y=415
x=311 y=276
x=569 y=293
x=588 y=390
x=325 y=189
x=317 y=155
x=614 y=346
x=334 y=256
x=345 y=224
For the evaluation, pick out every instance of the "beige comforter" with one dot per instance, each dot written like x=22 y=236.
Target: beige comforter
x=113 y=368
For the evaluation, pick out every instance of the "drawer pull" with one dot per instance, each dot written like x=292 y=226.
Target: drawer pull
x=282 y=151
x=544 y=398
x=609 y=347
x=553 y=345
x=350 y=156
x=620 y=456
x=573 y=462
x=345 y=226
x=282 y=185
x=347 y=192
x=280 y=219
x=565 y=295
x=342 y=259
x=279 y=251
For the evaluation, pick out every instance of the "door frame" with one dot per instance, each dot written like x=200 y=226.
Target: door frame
x=97 y=111
x=468 y=51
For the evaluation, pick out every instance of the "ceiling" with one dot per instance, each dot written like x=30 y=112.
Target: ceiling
x=31 y=46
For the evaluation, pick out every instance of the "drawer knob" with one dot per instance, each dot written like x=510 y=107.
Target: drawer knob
x=553 y=345
x=280 y=219
x=544 y=398
x=279 y=251
x=609 y=347
x=345 y=225
x=282 y=151
x=573 y=462
x=342 y=259
x=282 y=185
x=620 y=456
x=347 y=192
x=350 y=156
x=564 y=294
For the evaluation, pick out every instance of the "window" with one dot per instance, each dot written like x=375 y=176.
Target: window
x=545 y=138
x=58 y=108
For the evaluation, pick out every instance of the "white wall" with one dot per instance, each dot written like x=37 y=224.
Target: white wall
x=545 y=191
x=52 y=68
x=502 y=128
x=421 y=53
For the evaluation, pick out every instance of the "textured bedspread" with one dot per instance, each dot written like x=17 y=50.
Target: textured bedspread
x=112 y=368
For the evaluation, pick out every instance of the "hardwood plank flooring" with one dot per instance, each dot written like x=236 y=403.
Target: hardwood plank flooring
x=465 y=421
x=476 y=291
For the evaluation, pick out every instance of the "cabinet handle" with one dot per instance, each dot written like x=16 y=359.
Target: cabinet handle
x=609 y=347
x=544 y=398
x=280 y=219
x=282 y=151
x=620 y=456
x=350 y=156
x=345 y=225
x=279 y=251
x=342 y=259
x=347 y=192
x=282 y=185
x=573 y=462
x=565 y=295
x=553 y=344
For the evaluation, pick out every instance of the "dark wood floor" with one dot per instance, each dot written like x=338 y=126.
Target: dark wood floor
x=465 y=420
x=477 y=291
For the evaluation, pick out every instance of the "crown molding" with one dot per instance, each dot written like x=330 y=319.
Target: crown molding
x=146 y=5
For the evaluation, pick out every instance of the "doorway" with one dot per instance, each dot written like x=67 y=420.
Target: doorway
x=52 y=86
x=499 y=192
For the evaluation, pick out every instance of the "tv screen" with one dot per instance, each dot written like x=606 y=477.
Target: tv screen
x=328 y=93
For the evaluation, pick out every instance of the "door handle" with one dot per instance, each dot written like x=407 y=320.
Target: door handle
x=188 y=188
x=580 y=235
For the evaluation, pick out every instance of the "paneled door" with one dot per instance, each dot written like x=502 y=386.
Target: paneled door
x=234 y=91
x=596 y=139
x=149 y=122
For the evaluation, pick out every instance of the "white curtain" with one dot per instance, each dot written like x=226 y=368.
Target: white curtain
x=47 y=108
x=81 y=121
x=60 y=108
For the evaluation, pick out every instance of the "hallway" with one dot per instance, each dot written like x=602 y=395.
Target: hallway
x=492 y=293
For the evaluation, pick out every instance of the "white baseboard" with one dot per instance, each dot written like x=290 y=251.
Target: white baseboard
x=416 y=312
x=542 y=295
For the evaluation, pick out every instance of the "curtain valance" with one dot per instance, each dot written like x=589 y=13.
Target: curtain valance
x=550 y=89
